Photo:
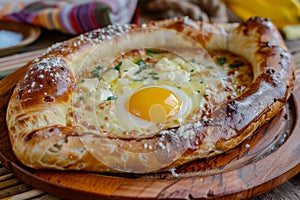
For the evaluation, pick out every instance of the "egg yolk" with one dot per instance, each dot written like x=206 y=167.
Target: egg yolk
x=154 y=104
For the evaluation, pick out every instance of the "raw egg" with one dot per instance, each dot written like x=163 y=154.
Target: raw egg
x=154 y=104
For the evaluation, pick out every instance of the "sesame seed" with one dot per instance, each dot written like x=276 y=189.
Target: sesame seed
x=57 y=75
x=144 y=25
x=161 y=145
x=162 y=138
x=53 y=47
x=33 y=84
x=145 y=145
x=81 y=37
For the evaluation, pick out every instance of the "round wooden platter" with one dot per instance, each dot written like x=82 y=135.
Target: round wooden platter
x=270 y=157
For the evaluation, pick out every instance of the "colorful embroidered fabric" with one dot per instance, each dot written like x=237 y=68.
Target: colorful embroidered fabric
x=74 y=17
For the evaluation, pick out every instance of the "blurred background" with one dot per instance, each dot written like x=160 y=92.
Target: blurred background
x=63 y=15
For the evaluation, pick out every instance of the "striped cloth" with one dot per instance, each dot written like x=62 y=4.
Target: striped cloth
x=74 y=17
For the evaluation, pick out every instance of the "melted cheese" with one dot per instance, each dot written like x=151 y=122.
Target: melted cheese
x=101 y=97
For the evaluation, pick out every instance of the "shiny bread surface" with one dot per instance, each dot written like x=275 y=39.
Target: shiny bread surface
x=44 y=135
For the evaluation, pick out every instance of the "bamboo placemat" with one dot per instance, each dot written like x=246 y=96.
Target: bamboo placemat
x=12 y=188
x=11 y=63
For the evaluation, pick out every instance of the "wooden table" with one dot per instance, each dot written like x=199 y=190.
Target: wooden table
x=13 y=188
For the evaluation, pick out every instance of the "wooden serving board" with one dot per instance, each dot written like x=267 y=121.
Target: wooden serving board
x=262 y=162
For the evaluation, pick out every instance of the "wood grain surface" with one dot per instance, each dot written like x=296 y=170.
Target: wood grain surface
x=264 y=161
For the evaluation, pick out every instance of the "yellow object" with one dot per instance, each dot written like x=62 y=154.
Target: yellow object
x=291 y=32
x=281 y=12
x=154 y=104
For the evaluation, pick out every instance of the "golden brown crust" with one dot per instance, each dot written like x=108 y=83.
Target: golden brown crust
x=42 y=137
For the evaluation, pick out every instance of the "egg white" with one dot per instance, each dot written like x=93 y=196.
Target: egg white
x=127 y=121
x=185 y=82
